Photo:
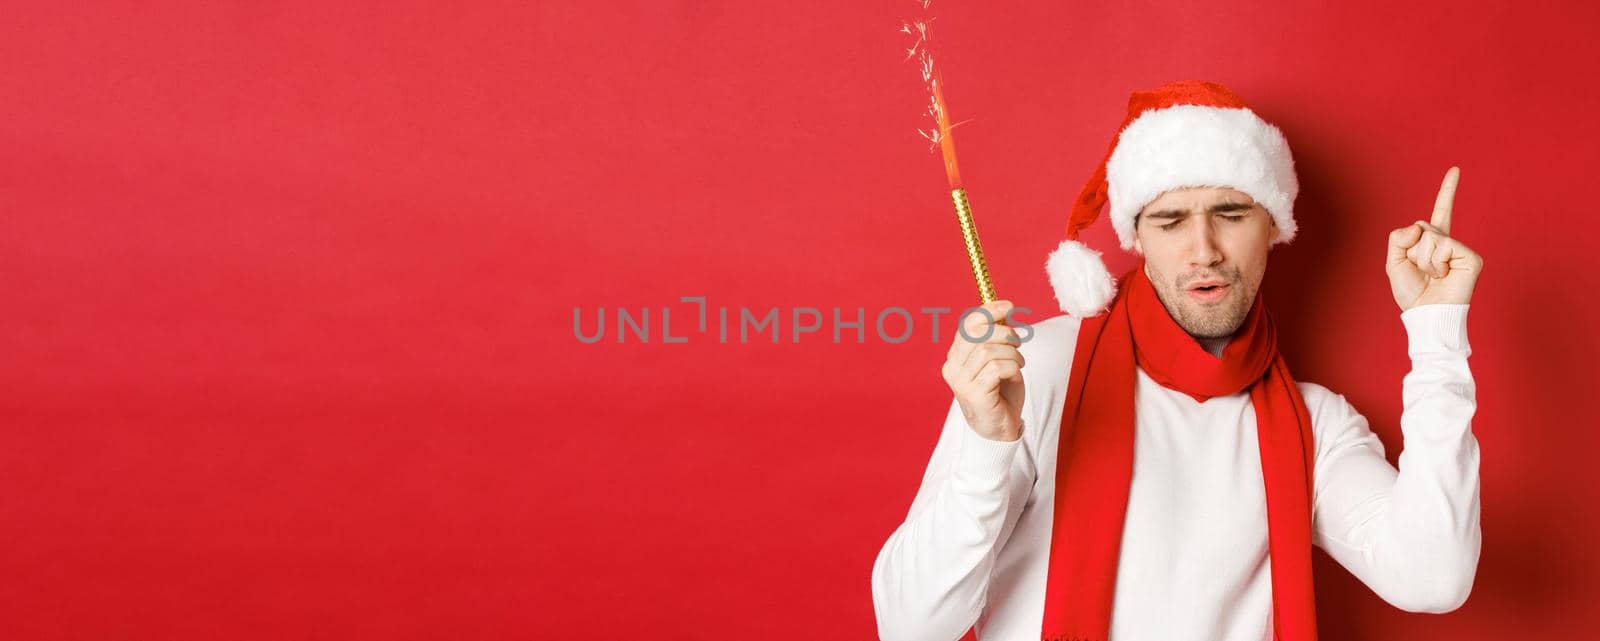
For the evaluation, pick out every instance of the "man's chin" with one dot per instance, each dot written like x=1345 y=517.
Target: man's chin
x=1209 y=322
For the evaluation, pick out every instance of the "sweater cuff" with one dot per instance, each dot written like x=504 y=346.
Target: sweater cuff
x=1439 y=328
x=986 y=457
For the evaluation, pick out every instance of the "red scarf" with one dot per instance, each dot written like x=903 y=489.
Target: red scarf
x=1094 y=464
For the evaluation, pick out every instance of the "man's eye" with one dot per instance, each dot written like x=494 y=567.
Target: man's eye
x=1234 y=219
x=1169 y=227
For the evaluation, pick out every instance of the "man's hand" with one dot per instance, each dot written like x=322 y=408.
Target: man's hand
x=1425 y=264
x=987 y=376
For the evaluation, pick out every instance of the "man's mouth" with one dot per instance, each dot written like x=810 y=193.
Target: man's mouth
x=1207 y=291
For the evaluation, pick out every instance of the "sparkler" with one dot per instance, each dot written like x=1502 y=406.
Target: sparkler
x=939 y=136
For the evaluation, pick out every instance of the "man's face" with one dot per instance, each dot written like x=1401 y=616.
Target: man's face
x=1205 y=249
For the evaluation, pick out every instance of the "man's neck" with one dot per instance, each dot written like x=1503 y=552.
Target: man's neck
x=1214 y=345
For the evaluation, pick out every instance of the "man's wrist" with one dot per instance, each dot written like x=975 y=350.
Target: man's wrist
x=981 y=454
x=1436 y=328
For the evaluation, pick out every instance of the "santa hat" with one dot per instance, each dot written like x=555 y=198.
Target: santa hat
x=1181 y=134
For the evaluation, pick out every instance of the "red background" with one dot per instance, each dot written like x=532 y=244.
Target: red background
x=289 y=288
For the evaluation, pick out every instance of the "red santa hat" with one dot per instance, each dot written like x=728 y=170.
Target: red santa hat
x=1181 y=134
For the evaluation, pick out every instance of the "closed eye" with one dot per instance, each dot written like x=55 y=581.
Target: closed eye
x=1218 y=210
x=1231 y=219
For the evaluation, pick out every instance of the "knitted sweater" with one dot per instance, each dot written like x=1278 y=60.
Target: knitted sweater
x=974 y=547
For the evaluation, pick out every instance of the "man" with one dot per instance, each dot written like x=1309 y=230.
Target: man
x=1146 y=467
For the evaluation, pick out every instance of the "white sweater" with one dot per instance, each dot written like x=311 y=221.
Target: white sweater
x=974 y=547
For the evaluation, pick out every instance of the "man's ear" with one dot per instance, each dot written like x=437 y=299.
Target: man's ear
x=1137 y=249
x=1275 y=231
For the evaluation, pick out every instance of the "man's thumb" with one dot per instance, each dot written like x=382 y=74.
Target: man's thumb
x=1402 y=239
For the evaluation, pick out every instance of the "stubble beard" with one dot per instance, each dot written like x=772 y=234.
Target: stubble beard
x=1205 y=320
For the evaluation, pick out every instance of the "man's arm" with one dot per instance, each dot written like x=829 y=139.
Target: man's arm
x=931 y=578
x=1410 y=535
x=930 y=581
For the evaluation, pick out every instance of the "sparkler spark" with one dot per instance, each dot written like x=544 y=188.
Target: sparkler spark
x=939 y=135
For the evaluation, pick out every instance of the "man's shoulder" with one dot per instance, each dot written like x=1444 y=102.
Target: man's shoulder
x=1314 y=393
x=1048 y=351
x=1052 y=338
x=1329 y=410
x=1319 y=398
x=1048 y=346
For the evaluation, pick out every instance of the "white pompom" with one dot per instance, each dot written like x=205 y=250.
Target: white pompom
x=1082 y=283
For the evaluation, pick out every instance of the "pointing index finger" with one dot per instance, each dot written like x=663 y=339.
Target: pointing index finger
x=1447 y=196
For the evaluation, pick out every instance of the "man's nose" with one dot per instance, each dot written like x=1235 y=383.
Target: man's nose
x=1203 y=248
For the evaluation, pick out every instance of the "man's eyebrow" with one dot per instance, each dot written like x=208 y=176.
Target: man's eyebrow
x=1224 y=207
x=1215 y=209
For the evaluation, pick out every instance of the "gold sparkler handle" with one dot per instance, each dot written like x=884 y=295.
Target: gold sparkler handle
x=969 y=235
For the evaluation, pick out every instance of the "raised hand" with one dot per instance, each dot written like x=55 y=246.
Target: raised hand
x=984 y=369
x=1426 y=265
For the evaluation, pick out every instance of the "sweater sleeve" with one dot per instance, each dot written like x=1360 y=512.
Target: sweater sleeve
x=1411 y=535
x=929 y=582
